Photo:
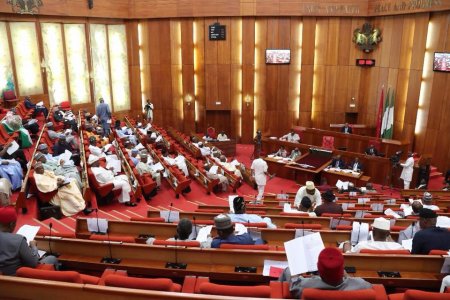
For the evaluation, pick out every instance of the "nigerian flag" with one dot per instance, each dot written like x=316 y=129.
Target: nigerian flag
x=387 y=128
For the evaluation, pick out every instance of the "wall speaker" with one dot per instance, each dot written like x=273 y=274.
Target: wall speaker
x=91 y=4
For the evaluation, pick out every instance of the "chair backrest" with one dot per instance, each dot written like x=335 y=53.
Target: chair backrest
x=9 y=95
x=385 y=251
x=260 y=291
x=244 y=247
x=438 y=252
x=302 y=226
x=177 y=243
x=157 y=284
x=328 y=142
x=113 y=238
x=316 y=294
x=65 y=276
x=211 y=132
x=254 y=224
x=421 y=295
x=142 y=219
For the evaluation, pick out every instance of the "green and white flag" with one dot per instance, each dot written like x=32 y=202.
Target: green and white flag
x=387 y=128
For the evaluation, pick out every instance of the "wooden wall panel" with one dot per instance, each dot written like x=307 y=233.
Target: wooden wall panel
x=248 y=76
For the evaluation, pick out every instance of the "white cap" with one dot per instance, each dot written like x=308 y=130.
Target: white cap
x=92 y=159
x=381 y=223
x=310 y=185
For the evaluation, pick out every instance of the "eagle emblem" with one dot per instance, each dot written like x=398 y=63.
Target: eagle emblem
x=25 y=6
x=367 y=37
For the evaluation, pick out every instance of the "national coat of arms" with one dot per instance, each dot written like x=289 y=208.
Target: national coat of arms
x=25 y=6
x=367 y=37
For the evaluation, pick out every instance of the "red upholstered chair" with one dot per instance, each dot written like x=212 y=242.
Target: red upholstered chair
x=419 y=295
x=299 y=214
x=260 y=291
x=336 y=215
x=328 y=142
x=377 y=292
x=211 y=132
x=404 y=252
x=113 y=238
x=244 y=247
x=255 y=224
x=65 y=276
x=157 y=284
x=344 y=227
x=10 y=99
x=438 y=252
x=177 y=243
x=65 y=105
x=302 y=226
x=137 y=219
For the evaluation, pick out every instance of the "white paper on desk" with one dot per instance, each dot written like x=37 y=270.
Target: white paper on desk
x=363 y=189
x=195 y=231
x=170 y=216
x=299 y=232
x=139 y=146
x=287 y=207
x=214 y=169
x=234 y=163
x=407 y=210
x=29 y=232
x=345 y=185
x=390 y=212
x=352 y=194
x=339 y=184
x=106 y=147
x=13 y=148
x=255 y=234
x=230 y=202
x=360 y=232
x=159 y=138
x=407 y=244
x=65 y=156
x=40 y=103
x=363 y=200
x=443 y=222
x=239 y=229
x=446 y=266
x=97 y=225
x=273 y=263
x=303 y=252
x=157 y=167
x=377 y=206
x=203 y=234
x=41 y=253
x=143 y=131
x=270 y=155
x=115 y=164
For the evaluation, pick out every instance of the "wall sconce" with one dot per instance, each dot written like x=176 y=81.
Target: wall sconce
x=352 y=103
x=188 y=99
x=248 y=100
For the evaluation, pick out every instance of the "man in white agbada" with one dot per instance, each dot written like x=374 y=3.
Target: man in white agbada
x=205 y=151
x=179 y=161
x=223 y=181
x=381 y=232
x=292 y=137
x=68 y=197
x=427 y=200
x=103 y=176
x=407 y=172
x=97 y=151
x=143 y=168
x=310 y=191
x=259 y=171
x=231 y=167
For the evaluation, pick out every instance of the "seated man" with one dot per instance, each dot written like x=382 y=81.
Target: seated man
x=11 y=170
x=311 y=192
x=144 y=168
x=337 y=162
x=223 y=180
x=230 y=166
x=68 y=195
x=52 y=134
x=427 y=201
x=180 y=162
x=240 y=216
x=328 y=205
x=346 y=129
x=295 y=154
x=14 y=249
x=281 y=152
x=292 y=137
x=372 y=150
x=355 y=165
x=306 y=206
x=90 y=132
x=18 y=155
x=222 y=136
x=184 y=230
x=430 y=237
x=332 y=276
x=225 y=230
x=412 y=229
x=135 y=157
x=381 y=231
x=37 y=108
x=205 y=151
x=104 y=176
x=60 y=167
x=97 y=151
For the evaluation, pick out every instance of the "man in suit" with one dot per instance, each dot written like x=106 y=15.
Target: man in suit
x=355 y=165
x=337 y=162
x=346 y=129
x=372 y=150
x=430 y=237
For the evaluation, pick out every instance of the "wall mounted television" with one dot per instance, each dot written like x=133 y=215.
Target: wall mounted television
x=278 y=56
x=441 y=62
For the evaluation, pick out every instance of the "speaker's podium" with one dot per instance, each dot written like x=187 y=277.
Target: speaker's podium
x=309 y=166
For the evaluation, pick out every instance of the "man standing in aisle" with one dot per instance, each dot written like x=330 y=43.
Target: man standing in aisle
x=259 y=171
x=104 y=114
x=407 y=172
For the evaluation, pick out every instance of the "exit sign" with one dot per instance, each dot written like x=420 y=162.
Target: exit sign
x=362 y=62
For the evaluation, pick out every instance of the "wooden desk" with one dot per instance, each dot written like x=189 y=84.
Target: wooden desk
x=303 y=174
x=333 y=176
x=228 y=147
x=278 y=167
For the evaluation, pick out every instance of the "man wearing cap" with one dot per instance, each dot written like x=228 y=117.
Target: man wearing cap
x=225 y=230
x=135 y=157
x=52 y=134
x=143 y=168
x=310 y=191
x=205 y=151
x=427 y=201
x=231 y=167
x=14 y=249
x=104 y=176
x=68 y=195
x=11 y=170
x=381 y=231
x=17 y=155
x=328 y=205
x=332 y=276
x=240 y=216
x=259 y=171
x=407 y=172
x=430 y=237
x=223 y=180
x=104 y=114
x=94 y=149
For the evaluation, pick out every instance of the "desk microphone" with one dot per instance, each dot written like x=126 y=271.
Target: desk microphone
x=303 y=228
x=170 y=211
x=98 y=226
x=49 y=242
x=176 y=264
x=412 y=229
x=110 y=259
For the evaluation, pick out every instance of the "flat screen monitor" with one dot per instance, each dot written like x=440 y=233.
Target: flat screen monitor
x=441 y=62
x=278 y=56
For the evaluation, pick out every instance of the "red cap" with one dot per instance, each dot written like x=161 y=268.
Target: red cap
x=7 y=215
x=331 y=266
